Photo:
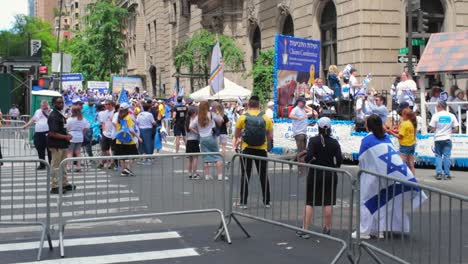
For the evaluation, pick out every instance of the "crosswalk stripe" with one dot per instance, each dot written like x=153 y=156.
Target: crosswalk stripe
x=33 y=178
x=124 y=258
x=44 y=183
x=74 y=203
x=76 y=213
x=93 y=241
x=43 y=197
x=88 y=186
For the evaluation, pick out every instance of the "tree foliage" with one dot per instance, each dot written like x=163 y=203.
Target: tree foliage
x=194 y=53
x=98 y=51
x=262 y=73
x=15 y=41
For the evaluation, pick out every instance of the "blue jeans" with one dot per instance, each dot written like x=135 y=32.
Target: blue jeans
x=147 y=136
x=443 y=149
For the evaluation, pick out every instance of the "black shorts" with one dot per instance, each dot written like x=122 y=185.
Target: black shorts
x=124 y=149
x=193 y=146
x=106 y=143
x=179 y=130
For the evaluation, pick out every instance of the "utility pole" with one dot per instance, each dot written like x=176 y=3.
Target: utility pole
x=409 y=11
x=58 y=46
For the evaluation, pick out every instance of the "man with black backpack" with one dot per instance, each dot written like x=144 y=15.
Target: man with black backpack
x=253 y=130
x=179 y=113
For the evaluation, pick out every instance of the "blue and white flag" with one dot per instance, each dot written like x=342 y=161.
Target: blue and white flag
x=217 y=69
x=384 y=203
x=123 y=98
x=181 y=91
x=240 y=101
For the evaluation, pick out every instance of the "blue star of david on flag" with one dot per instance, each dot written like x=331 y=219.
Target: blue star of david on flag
x=123 y=98
x=391 y=167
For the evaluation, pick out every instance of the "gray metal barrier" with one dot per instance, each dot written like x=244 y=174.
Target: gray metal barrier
x=161 y=187
x=16 y=142
x=277 y=192
x=413 y=223
x=25 y=198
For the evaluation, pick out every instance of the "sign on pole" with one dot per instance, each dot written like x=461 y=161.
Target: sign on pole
x=72 y=81
x=403 y=51
x=101 y=87
x=56 y=60
x=36 y=48
x=404 y=59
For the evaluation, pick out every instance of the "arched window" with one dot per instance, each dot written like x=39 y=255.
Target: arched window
x=328 y=36
x=288 y=26
x=256 y=43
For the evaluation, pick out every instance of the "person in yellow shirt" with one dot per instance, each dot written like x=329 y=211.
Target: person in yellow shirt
x=253 y=130
x=406 y=135
x=125 y=138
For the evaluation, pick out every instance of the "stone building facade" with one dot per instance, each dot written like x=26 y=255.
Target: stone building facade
x=44 y=9
x=364 y=33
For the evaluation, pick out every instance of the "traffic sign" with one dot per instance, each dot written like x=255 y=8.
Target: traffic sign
x=403 y=51
x=419 y=42
x=404 y=59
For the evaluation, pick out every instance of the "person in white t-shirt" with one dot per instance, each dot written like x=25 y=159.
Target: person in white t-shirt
x=406 y=90
x=356 y=88
x=76 y=126
x=14 y=112
x=146 y=123
x=443 y=124
x=105 y=118
x=40 y=132
x=299 y=117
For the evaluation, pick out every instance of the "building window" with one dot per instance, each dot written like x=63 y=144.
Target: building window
x=256 y=43
x=185 y=8
x=328 y=36
x=155 y=34
x=173 y=14
x=76 y=4
x=288 y=26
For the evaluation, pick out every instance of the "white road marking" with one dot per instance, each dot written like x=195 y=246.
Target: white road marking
x=71 y=203
x=92 y=241
x=26 y=184
x=125 y=258
x=89 y=186
x=75 y=194
x=76 y=214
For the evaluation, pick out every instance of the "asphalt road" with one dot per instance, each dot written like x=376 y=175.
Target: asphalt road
x=164 y=186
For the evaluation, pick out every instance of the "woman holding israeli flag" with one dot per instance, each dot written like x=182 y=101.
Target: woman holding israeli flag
x=384 y=203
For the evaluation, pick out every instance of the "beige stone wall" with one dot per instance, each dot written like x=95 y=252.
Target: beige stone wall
x=369 y=32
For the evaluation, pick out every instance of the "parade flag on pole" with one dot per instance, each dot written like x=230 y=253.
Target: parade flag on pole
x=123 y=98
x=181 y=91
x=216 y=80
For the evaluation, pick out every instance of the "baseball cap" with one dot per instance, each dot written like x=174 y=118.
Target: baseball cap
x=300 y=99
x=270 y=103
x=324 y=122
x=124 y=106
x=77 y=101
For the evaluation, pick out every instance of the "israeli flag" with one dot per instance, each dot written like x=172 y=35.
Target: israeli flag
x=385 y=203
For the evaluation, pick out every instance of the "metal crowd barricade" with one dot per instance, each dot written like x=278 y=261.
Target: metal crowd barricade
x=16 y=142
x=435 y=221
x=287 y=183
x=161 y=187
x=25 y=198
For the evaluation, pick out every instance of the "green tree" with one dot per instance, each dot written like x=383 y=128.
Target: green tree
x=99 y=49
x=262 y=73
x=15 y=41
x=194 y=53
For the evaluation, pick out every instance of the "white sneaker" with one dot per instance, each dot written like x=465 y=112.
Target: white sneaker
x=208 y=177
x=363 y=236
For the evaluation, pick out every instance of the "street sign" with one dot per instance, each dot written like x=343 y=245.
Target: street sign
x=419 y=42
x=404 y=59
x=36 y=48
x=403 y=51
x=56 y=60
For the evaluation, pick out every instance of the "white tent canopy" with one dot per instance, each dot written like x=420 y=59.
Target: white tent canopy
x=231 y=91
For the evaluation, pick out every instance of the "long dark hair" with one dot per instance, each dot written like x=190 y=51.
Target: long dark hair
x=374 y=125
x=324 y=132
x=191 y=111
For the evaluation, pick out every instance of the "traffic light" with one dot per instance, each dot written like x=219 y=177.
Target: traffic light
x=423 y=21
x=44 y=82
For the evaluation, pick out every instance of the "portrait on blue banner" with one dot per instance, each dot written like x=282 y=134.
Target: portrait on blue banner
x=297 y=65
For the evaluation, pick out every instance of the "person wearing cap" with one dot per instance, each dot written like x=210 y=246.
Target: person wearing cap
x=89 y=113
x=179 y=114
x=299 y=116
x=322 y=150
x=443 y=124
x=125 y=138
